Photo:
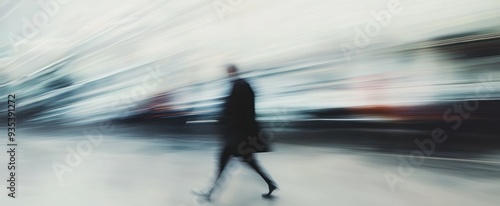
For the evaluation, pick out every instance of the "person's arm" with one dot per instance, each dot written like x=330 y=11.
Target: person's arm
x=248 y=108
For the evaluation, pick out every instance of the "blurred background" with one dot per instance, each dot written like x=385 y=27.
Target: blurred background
x=345 y=87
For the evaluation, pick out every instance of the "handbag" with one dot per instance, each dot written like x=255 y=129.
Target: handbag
x=258 y=141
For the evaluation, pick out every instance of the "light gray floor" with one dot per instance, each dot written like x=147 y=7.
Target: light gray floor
x=163 y=171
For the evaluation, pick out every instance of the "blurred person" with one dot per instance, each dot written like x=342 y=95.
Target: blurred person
x=240 y=129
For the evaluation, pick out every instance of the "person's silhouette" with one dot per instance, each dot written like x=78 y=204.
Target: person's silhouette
x=239 y=124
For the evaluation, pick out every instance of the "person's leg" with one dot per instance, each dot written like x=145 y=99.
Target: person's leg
x=252 y=161
x=224 y=158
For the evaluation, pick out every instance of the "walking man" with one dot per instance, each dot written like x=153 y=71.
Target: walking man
x=240 y=131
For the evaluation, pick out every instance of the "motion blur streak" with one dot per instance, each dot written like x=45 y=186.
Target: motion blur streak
x=355 y=87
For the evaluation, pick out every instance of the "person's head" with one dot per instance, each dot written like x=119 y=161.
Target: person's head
x=232 y=71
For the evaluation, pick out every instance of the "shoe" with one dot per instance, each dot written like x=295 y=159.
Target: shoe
x=205 y=195
x=272 y=187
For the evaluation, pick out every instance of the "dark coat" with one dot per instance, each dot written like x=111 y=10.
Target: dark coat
x=238 y=118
